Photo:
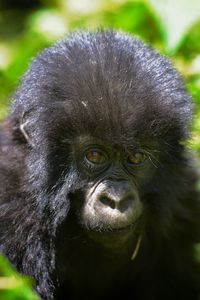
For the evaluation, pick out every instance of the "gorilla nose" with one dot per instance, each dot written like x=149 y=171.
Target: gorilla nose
x=116 y=202
x=113 y=204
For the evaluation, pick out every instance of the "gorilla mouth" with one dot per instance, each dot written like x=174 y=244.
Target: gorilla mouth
x=117 y=236
x=109 y=229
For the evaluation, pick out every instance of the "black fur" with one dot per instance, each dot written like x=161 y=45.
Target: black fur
x=112 y=87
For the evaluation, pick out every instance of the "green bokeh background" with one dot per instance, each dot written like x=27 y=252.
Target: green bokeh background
x=27 y=26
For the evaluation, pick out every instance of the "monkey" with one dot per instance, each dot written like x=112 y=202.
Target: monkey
x=98 y=189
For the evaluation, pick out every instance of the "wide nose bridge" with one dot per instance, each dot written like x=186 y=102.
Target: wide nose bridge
x=118 y=190
x=117 y=195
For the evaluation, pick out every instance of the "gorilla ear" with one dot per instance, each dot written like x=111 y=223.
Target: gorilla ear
x=23 y=128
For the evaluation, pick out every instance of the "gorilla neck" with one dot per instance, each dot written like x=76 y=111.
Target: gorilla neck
x=88 y=259
x=86 y=262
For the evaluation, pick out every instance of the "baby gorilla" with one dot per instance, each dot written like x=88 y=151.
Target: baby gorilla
x=97 y=190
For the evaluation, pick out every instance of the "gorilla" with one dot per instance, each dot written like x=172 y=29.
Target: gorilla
x=98 y=192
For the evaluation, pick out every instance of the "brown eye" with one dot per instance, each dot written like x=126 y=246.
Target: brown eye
x=136 y=158
x=96 y=157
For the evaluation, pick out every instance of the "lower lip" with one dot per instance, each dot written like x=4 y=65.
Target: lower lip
x=114 y=230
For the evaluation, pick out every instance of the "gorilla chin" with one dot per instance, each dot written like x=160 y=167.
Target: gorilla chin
x=116 y=241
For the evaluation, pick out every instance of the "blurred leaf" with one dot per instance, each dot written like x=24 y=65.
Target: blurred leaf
x=197 y=246
x=14 y=286
x=190 y=46
x=48 y=22
x=135 y=17
x=177 y=16
x=25 y=49
x=194 y=88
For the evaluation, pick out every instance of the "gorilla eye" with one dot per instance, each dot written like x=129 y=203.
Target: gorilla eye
x=136 y=158
x=96 y=157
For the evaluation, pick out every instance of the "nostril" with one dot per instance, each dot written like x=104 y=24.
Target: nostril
x=126 y=203
x=107 y=201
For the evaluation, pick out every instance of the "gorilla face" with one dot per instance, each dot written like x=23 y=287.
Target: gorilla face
x=103 y=183
x=112 y=200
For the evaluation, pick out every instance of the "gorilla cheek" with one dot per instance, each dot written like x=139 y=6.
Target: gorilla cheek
x=111 y=206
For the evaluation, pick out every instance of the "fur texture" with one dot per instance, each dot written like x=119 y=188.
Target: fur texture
x=110 y=86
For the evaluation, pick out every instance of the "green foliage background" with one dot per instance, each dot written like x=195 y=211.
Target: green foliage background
x=26 y=27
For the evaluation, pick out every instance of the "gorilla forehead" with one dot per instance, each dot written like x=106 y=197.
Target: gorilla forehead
x=100 y=80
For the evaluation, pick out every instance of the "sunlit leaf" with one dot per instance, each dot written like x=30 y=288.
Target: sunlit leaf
x=177 y=16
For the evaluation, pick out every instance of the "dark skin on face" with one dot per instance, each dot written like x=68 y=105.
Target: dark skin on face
x=112 y=204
